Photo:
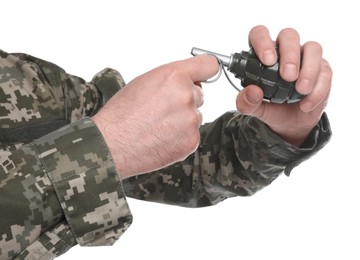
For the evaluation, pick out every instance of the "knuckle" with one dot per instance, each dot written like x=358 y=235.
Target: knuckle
x=326 y=67
x=194 y=119
x=259 y=29
x=187 y=97
x=288 y=35
x=326 y=73
x=173 y=76
x=313 y=45
x=289 y=32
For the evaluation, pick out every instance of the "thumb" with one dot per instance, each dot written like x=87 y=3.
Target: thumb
x=200 y=67
x=250 y=101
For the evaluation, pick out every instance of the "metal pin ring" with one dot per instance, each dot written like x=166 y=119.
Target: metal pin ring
x=218 y=74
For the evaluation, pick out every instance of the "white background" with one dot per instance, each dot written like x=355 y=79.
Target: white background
x=311 y=215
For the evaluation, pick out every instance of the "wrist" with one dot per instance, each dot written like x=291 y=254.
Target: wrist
x=114 y=145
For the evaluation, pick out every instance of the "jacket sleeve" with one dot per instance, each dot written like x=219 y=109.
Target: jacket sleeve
x=37 y=96
x=58 y=184
x=66 y=177
x=238 y=156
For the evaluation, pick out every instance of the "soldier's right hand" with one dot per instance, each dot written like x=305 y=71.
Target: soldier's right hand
x=154 y=120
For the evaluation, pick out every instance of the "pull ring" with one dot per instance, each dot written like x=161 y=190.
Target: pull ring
x=218 y=75
x=221 y=69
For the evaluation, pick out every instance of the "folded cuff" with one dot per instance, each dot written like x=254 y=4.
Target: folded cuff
x=108 y=82
x=86 y=182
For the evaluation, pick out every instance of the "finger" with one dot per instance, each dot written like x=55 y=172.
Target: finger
x=310 y=68
x=200 y=116
x=199 y=96
x=250 y=101
x=320 y=91
x=260 y=40
x=290 y=54
x=200 y=68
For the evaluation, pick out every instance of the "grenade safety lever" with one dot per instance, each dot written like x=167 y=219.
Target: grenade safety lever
x=247 y=67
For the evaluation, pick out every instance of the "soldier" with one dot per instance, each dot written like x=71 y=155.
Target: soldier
x=71 y=151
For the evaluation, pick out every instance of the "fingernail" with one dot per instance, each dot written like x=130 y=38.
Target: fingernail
x=290 y=71
x=253 y=97
x=268 y=57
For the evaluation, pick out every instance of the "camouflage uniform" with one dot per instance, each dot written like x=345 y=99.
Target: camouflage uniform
x=58 y=183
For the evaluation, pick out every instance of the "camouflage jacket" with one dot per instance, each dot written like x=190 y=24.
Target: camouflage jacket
x=58 y=183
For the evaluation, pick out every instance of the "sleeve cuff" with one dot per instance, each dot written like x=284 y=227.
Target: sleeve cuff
x=283 y=154
x=86 y=182
x=108 y=82
x=317 y=139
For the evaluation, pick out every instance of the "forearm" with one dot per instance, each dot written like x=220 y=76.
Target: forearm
x=238 y=156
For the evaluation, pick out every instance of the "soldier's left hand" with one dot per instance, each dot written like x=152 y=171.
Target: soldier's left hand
x=293 y=122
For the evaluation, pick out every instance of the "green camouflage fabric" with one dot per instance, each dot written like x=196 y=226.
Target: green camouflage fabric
x=238 y=156
x=59 y=189
x=58 y=183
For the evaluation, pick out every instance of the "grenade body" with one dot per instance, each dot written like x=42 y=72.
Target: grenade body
x=248 y=68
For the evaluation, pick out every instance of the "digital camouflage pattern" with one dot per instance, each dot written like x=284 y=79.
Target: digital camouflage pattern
x=238 y=156
x=61 y=189
x=58 y=183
